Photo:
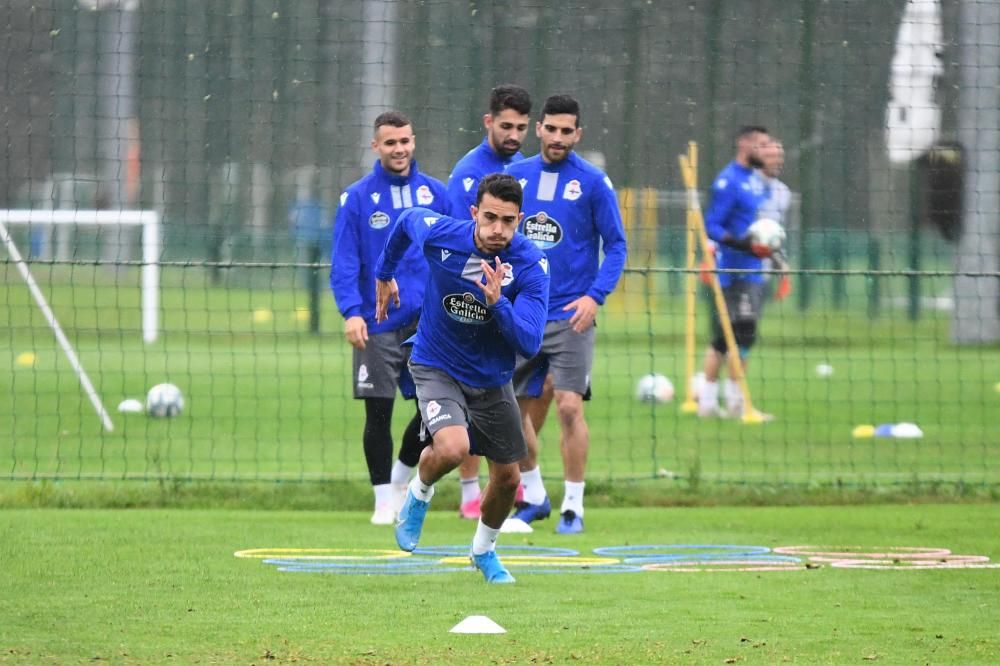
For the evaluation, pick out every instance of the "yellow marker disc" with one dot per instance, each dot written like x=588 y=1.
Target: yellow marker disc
x=25 y=359
x=262 y=316
x=863 y=432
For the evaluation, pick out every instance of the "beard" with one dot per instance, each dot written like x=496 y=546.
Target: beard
x=755 y=162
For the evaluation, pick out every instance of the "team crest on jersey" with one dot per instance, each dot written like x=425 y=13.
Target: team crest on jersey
x=543 y=230
x=572 y=190
x=433 y=409
x=508 y=274
x=375 y=197
x=468 y=183
x=378 y=220
x=424 y=195
x=466 y=309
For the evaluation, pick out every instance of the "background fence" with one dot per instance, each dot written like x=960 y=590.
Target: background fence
x=241 y=121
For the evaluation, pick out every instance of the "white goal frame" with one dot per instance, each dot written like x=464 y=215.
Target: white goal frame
x=148 y=220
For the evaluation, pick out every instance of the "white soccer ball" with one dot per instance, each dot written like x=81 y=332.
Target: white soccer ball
x=164 y=401
x=654 y=388
x=767 y=232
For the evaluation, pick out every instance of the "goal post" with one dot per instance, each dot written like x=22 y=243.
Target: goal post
x=147 y=220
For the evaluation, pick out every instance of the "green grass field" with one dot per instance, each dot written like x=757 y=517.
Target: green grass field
x=268 y=401
x=164 y=587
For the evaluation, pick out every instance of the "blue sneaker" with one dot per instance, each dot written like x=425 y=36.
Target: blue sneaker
x=493 y=571
x=569 y=523
x=529 y=512
x=410 y=522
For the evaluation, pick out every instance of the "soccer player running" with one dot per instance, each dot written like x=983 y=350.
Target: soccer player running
x=570 y=210
x=485 y=302
x=368 y=212
x=506 y=125
x=737 y=194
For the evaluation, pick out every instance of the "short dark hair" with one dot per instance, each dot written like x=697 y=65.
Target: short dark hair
x=557 y=104
x=394 y=118
x=747 y=130
x=502 y=186
x=509 y=96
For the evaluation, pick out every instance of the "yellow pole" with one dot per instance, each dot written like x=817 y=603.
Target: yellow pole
x=733 y=357
x=689 y=406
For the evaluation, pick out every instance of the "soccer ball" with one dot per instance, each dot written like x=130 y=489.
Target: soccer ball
x=164 y=400
x=654 y=388
x=767 y=232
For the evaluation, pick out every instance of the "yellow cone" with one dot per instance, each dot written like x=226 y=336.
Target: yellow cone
x=863 y=432
x=25 y=359
x=301 y=314
x=262 y=316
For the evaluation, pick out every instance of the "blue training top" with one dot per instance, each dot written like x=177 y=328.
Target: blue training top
x=737 y=194
x=458 y=333
x=570 y=207
x=367 y=214
x=464 y=179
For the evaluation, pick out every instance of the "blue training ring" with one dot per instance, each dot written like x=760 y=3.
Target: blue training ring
x=461 y=551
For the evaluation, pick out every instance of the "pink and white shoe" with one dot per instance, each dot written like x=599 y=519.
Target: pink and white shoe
x=470 y=510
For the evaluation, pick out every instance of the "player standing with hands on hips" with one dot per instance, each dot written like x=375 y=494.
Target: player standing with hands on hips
x=368 y=210
x=570 y=210
x=485 y=303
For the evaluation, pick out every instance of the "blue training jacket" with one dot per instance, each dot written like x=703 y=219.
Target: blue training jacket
x=570 y=207
x=458 y=333
x=464 y=179
x=368 y=212
x=737 y=194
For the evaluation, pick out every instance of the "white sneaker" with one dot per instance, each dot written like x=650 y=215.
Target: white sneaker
x=709 y=411
x=734 y=411
x=398 y=496
x=384 y=515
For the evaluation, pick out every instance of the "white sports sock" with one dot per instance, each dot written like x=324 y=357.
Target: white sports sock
x=734 y=396
x=534 y=489
x=573 y=499
x=485 y=539
x=383 y=494
x=709 y=396
x=420 y=490
x=400 y=473
x=470 y=489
